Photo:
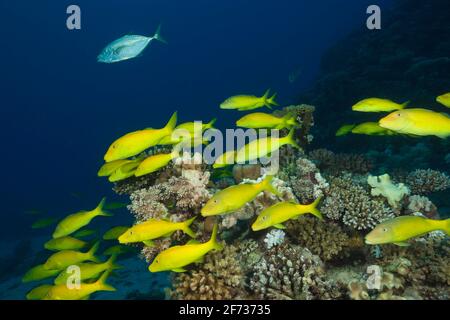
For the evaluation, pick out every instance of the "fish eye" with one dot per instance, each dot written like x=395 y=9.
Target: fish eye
x=264 y=218
x=384 y=229
x=215 y=201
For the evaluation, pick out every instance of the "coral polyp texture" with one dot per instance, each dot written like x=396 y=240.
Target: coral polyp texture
x=305 y=257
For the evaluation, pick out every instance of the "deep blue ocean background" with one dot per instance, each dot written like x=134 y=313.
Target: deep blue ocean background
x=60 y=109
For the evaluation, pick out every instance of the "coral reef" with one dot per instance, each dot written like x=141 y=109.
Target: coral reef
x=334 y=164
x=220 y=277
x=352 y=204
x=383 y=186
x=291 y=272
x=423 y=182
x=323 y=238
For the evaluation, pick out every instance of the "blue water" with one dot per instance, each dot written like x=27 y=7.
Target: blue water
x=60 y=109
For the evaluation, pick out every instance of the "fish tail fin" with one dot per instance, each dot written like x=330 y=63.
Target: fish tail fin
x=172 y=123
x=99 y=211
x=158 y=36
x=92 y=251
x=290 y=139
x=213 y=241
x=265 y=98
x=271 y=101
x=404 y=105
x=186 y=227
x=111 y=262
x=290 y=120
x=210 y=125
x=266 y=184
x=314 y=210
x=101 y=282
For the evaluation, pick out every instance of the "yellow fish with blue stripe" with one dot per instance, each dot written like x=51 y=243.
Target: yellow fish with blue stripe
x=263 y=147
x=78 y=220
x=153 y=229
x=178 y=257
x=259 y=120
x=62 y=259
x=400 y=229
x=136 y=142
x=64 y=292
x=281 y=212
x=444 y=100
x=249 y=102
x=235 y=197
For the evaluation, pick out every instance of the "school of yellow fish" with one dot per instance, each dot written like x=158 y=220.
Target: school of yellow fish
x=126 y=158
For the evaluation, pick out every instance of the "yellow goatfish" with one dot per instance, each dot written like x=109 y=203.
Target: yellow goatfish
x=264 y=120
x=226 y=159
x=65 y=292
x=65 y=243
x=371 y=129
x=78 y=220
x=263 y=147
x=108 y=168
x=135 y=142
x=38 y=273
x=190 y=131
x=62 y=259
x=152 y=229
x=156 y=162
x=401 y=229
x=444 y=100
x=281 y=212
x=345 y=129
x=115 y=233
x=247 y=102
x=126 y=171
x=419 y=122
x=39 y=293
x=378 y=105
x=88 y=270
x=235 y=197
x=177 y=257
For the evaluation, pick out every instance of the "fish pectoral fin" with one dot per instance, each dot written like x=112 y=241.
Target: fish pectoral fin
x=168 y=235
x=149 y=243
x=279 y=226
x=402 y=244
x=179 y=270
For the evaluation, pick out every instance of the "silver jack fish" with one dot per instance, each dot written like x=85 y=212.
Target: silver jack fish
x=127 y=47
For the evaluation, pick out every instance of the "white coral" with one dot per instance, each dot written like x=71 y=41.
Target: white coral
x=383 y=186
x=274 y=238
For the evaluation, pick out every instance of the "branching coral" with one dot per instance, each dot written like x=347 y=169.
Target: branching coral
x=421 y=204
x=305 y=180
x=324 y=238
x=423 y=182
x=334 y=164
x=352 y=204
x=219 y=277
x=291 y=272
